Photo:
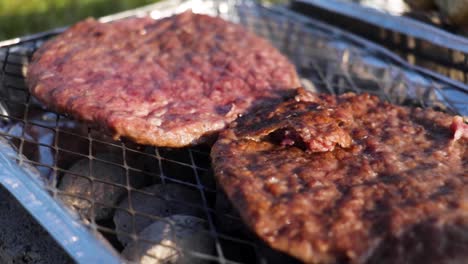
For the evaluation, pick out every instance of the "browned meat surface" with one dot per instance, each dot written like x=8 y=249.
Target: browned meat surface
x=169 y=82
x=349 y=179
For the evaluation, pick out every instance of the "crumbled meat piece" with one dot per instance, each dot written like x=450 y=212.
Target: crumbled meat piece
x=302 y=121
x=459 y=128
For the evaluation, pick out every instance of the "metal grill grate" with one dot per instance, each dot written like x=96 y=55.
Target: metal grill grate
x=327 y=59
x=413 y=34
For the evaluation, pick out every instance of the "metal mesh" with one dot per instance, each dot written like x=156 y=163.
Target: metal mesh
x=426 y=44
x=62 y=149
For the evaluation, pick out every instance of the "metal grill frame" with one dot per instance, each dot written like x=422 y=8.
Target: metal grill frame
x=418 y=42
x=332 y=60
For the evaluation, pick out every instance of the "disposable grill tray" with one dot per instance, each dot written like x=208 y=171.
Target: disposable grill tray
x=39 y=146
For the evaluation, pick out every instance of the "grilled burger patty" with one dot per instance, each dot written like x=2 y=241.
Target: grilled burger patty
x=168 y=82
x=350 y=179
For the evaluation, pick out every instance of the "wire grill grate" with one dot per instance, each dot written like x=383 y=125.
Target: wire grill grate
x=422 y=37
x=327 y=59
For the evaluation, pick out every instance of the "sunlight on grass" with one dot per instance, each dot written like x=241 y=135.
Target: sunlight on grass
x=21 y=17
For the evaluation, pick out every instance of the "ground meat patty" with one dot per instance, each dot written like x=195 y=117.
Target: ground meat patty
x=350 y=179
x=167 y=82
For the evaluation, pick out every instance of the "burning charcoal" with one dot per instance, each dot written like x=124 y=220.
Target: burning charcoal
x=163 y=200
x=40 y=134
x=101 y=193
x=170 y=238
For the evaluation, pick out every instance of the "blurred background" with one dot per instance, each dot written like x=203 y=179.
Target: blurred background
x=20 y=17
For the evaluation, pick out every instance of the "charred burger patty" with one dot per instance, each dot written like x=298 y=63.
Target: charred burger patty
x=350 y=179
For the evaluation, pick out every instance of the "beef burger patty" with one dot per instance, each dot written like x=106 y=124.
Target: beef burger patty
x=168 y=82
x=350 y=179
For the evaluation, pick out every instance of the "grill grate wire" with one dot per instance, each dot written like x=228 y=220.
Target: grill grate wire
x=324 y=57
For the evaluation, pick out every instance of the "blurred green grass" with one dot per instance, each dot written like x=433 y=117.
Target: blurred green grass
x=21 y=17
